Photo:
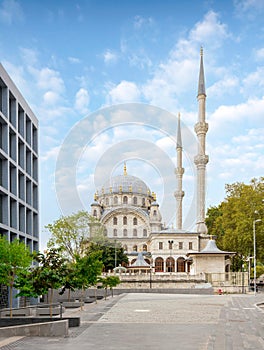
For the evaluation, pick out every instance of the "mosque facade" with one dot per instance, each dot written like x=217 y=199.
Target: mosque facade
x=130 y=213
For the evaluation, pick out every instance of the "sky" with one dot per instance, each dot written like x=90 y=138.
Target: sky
x=107 y=79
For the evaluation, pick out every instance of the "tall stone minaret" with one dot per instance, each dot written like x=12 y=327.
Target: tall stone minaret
x=179 y=171
x=201 y=159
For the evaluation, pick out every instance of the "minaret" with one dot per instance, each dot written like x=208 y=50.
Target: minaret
x=179 y=171
x=201 y=159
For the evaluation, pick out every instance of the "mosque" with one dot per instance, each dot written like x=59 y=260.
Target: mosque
x=130 y=213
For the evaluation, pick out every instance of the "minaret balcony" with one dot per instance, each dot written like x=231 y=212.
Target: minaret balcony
x=201 y=128
x=179 y=171
x=201 y=160
x=179 y=194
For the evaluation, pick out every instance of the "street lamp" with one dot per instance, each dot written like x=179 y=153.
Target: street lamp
x=254 y=254
x=170 y=247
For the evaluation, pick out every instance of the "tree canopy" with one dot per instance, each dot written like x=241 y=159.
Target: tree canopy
x=232 y=220
x=70 y=234
x=15 y=258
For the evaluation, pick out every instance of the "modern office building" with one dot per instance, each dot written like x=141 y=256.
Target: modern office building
x=18 y=166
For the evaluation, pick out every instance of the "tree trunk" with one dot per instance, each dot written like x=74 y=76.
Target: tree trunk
x=11 y=300
x=50 y=302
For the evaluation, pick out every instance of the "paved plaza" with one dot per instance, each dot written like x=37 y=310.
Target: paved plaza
x=160 y=321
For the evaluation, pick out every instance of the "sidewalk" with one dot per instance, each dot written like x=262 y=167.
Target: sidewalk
x=161 y=322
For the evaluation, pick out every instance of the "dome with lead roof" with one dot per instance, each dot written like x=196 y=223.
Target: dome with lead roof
x=125 y=184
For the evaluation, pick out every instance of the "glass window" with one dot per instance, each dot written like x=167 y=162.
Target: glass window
x=180 y=245
x=134 y=232
x=160 y=245
x=115 y=232
x=115 y=220
x=135 y=221
x=124 y=220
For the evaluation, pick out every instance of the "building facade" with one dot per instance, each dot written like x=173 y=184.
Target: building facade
x=19 y=208
x=129 y=211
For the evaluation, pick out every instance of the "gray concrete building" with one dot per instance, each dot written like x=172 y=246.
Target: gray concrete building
x=19 y=206
x=18 y=166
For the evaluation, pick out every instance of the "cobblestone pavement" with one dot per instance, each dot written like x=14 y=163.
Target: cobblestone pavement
x=161 y=321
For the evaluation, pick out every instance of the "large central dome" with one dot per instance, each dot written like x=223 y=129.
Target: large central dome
x=126 y=184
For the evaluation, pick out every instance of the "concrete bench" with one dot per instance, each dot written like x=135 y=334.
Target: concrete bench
x=16 y=312
x=45 y=311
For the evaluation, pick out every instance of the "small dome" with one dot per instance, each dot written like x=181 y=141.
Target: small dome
x=125 y=184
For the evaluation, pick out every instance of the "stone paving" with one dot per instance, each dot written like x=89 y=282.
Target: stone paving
x=161 y=321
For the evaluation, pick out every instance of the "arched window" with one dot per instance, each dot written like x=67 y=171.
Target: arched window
x=124 y=220
x=95 y=212
x=154 y=212
x=135 y=221
x=125 y=200
x=135 y=249
x=159 y=265
x=135 y=200
x=134 y=232
x=107 y=201
x=125 y=232
x=180 y=265
x=115 y=220
x=115 y=232
x=170 y=264
x=145 y=248
x=145 y=233
x=115 y=200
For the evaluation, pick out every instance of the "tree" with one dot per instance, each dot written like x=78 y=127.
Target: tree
x=232 y=220
x=111 y=282
x=50 y=274
x=87 y=269
x=112 y=252
x=70 y=234
x=15 y=258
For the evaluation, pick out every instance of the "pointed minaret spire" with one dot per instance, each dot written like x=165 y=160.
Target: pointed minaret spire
x=179 y=171
x=201 y=84
x=201 y=159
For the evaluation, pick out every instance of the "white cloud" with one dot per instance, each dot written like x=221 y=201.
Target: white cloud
x=29 y=56
x=110 y=56
x=259 y=54
x=125 y=91
x=140 y=21
x=248 y=7
x=209 y=31
x=11 y=11
x=74 y=60
x=82 y=100
x=50 y=98
x=223 y=87
x=48 y=79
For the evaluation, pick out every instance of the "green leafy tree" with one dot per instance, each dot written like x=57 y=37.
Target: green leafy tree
x=15 y=258
x=70 y=234
x=50 y=274
x=111 y=282
x=87 y=269
x=112 y=252
x=232 y=221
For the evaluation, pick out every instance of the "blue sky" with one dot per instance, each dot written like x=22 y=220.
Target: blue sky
x=75 y=62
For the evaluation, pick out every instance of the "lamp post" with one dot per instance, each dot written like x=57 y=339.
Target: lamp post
x=170 y=247
x=254 y=254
